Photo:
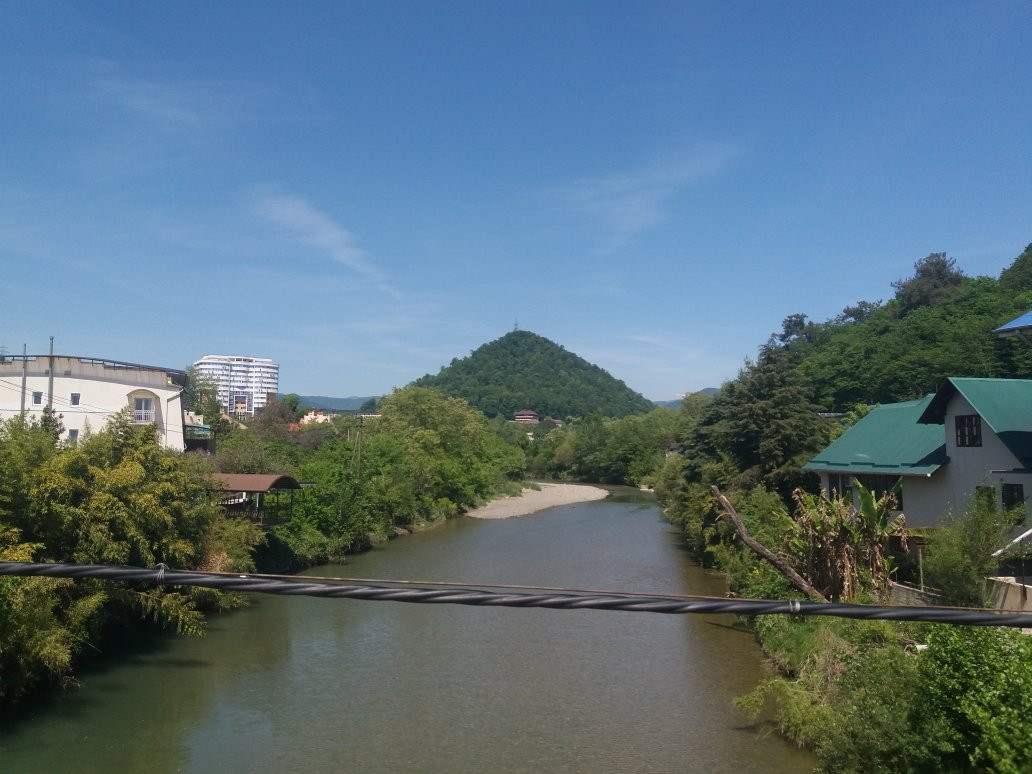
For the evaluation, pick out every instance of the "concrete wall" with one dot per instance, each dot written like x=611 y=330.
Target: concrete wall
x=1009 y=594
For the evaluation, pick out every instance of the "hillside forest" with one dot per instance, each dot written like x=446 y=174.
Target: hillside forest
x=863 y=695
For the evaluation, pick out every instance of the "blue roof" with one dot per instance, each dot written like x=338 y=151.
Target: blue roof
x=888 y=441
x=1021 y=324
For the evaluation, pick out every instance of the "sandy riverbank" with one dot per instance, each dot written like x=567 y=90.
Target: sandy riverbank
x=533 y=500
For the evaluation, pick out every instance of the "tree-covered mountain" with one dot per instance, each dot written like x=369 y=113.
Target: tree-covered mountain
x=353 y=403
x=939 y=323
x=522 y=370
x=752 y=441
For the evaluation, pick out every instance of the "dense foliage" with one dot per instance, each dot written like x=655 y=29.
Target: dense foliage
x=424 y=457
x=522 y=370
x=115 y=497
x=935 y=327
x=599 y=449
x=863 y=695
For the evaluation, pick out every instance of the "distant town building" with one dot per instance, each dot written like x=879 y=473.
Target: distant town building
x=526 y=417
x=244 y=384
x=197 y=435
x=317 y=416
x=86 y=392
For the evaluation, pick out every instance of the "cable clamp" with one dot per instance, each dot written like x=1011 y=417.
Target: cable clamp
x=161 y=567
x=794 y=606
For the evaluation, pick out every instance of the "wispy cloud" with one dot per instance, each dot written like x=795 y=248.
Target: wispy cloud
x=628 y=203
x=316 y=229
x=178 y=103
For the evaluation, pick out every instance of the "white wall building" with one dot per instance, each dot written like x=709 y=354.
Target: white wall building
x=86 y=392
x=971 y=435
x=244 y=384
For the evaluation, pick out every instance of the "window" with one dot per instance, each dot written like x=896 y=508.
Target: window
x=143 y=410
x=840 y=485
x=37 y=398
x=1013 y=495
x=881 y=486
x=73 y=436
x=969 y=430
x=74 y=399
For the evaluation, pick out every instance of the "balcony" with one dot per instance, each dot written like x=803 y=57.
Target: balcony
x=143 y=416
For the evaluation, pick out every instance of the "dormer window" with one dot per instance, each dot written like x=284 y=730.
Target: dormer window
x=969 y=430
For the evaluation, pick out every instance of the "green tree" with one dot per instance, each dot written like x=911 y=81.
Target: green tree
x=935 y=278
x=960 y=555
x=976 y=699
x=200 y=395
x=116 y=497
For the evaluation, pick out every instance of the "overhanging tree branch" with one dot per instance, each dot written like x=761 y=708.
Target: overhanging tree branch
x=793 y=577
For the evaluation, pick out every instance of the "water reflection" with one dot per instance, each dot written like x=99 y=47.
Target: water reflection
x=329 y=685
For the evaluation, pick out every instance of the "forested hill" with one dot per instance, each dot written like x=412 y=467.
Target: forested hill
x=763 y=426
x=938 y=323
x=522 y=370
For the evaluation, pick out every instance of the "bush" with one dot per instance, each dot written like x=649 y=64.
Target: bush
x=960 y=554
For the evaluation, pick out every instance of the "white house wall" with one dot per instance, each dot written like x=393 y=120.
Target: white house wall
x=103 y=391
x=972 y=466
x=926 y=499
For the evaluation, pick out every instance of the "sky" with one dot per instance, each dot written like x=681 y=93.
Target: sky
x=363 y=191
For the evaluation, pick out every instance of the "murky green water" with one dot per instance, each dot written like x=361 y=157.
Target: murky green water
x=295 y=684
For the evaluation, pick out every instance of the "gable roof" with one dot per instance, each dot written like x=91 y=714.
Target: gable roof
x=1004 y=404
x=888 y=441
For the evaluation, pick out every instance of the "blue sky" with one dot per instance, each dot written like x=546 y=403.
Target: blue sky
x=364 y=190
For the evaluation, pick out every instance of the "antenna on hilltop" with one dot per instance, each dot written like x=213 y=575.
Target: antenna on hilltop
x=516 y=324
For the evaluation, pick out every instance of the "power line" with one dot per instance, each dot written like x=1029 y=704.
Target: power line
x=82 y=408
x=626 y=602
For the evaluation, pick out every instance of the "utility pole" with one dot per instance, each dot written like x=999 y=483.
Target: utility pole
x=50 y=384
x=356 y=454
x=24 y=375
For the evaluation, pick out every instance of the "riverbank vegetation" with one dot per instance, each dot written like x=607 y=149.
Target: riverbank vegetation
x=865 y=696
x=116 y=497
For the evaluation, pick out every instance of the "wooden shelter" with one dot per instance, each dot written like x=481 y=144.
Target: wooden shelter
x=266 y=499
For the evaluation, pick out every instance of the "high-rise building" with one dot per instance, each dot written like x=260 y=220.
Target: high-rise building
x=244 y=384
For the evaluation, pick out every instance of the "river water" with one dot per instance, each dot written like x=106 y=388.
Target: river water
x=317 y=685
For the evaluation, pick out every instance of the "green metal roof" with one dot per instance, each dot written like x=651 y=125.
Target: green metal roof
x=1004 y=404
x=887 y=441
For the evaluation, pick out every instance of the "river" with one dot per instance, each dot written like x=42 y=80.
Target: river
x=318 y=685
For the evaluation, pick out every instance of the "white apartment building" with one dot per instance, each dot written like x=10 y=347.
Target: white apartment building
x=86 y=392
x=244 y=384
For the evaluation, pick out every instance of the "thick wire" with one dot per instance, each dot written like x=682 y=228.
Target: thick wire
x=161 y=575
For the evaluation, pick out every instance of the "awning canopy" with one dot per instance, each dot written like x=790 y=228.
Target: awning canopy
x=255 y=482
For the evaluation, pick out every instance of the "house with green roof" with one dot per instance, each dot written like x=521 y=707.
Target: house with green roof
x=971 y=434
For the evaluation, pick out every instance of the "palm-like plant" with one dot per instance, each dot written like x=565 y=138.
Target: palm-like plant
x=843 y=550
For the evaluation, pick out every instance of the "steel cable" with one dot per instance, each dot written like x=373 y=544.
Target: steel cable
x=161 y=575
